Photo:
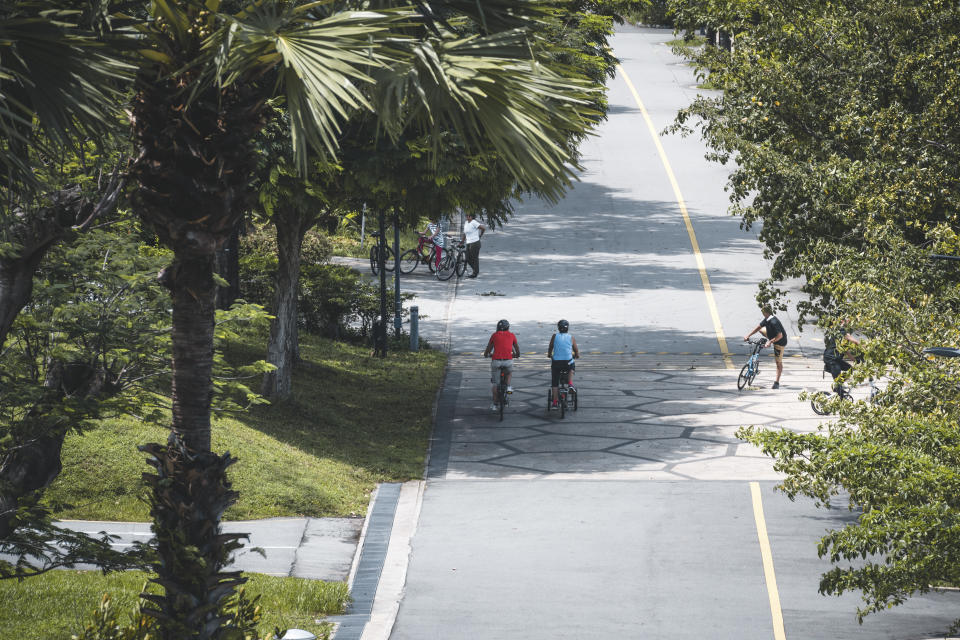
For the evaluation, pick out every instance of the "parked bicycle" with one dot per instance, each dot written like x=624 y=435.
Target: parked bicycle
x=750 y=370
x=819 y=401
x=566 y=395
x=452 y=262
x=426 y=252
x=388 y=259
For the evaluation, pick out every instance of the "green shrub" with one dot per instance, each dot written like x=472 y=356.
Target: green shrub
x=258 y=261
x=334 y=301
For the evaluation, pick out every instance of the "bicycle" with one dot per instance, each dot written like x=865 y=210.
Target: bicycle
x=502 y=393
x=452 y=262
x=388 y=261
x=750 y=370
x=566 y=395
x=426 y=252
x=819 y=400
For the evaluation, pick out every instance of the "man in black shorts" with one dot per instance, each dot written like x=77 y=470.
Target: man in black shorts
x=772 y=329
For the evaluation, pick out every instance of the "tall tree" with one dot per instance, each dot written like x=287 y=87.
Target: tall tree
x=201 y=92
x=840 y=121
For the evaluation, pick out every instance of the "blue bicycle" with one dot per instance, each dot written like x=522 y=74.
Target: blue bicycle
x=752 y=368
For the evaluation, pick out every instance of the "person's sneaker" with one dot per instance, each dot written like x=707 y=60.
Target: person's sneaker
x=555 y=404
x=509 y=389
x=776 y=385
x=493 y=406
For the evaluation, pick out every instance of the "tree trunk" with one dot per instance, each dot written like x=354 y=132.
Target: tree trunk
x=725 y=41
x=27 y=469
x=193 y=291
x=282 y=347
x=16 y=287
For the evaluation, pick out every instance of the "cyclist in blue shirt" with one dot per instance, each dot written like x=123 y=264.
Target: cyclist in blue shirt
x=562 y=351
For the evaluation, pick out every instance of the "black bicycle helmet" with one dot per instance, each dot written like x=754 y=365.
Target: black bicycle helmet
x=503 y=325
x=563 y=326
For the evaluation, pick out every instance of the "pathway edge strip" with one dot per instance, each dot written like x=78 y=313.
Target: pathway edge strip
x=701 y=266
x=393 y=578
x=766 y=554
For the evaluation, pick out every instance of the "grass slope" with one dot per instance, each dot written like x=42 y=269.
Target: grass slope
x=353 y=421
x=57 y=604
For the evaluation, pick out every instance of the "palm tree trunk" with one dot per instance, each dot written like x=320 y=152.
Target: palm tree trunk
x=282 y=347
x=194 y=313
x=16 y=286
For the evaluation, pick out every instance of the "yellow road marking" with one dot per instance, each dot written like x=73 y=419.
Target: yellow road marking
x=711 y=304
x=767 y=557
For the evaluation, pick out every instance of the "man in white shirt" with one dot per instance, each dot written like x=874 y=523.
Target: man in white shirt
x=472 y=232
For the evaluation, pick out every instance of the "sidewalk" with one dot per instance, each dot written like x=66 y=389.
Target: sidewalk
x=315 y=548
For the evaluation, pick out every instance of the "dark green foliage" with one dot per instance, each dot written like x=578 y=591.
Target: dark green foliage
x=334 y=300
x=652 y=12
x=842 y=119
x=258 y=261
x=94 y=342
x=242 y=615
x=839 y=120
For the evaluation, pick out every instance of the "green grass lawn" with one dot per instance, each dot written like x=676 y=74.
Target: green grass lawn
x=58 y=603
x=353 y=421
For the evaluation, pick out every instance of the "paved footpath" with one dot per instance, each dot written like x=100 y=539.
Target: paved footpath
x=641 y=515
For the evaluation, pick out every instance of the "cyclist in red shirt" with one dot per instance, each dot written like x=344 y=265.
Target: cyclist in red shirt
x=503 y=348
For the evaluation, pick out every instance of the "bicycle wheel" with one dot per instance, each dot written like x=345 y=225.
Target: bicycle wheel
x=744 y=378
x=563 y=403
x=409 y=260
x=574 y=393
x=461 y=266
x=502 y=398
x=549 y=399
x=754 y=370
x=818 y=403
x=374 y=260
x=388 y=262
x=447 y=266
x=431 y=259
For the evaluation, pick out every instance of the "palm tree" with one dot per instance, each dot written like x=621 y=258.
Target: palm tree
x=201 y=93
x=203 y=78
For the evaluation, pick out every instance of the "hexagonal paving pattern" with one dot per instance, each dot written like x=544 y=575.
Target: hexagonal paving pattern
x=645 y=418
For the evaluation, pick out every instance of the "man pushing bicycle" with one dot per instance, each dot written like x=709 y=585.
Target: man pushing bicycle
x=772 y=329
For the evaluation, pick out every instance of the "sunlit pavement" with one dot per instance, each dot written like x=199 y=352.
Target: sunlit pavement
x=640 y=515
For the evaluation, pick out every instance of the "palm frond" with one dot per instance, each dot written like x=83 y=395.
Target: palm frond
x=54 y=76
x=482 y=88
x=322 y=65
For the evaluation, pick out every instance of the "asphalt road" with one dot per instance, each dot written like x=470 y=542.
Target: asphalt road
x=640 y=516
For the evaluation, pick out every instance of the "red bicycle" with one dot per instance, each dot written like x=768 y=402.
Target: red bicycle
x=426 y=252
